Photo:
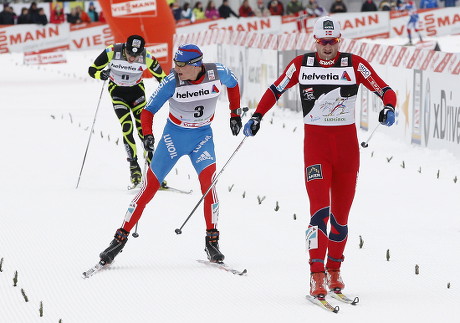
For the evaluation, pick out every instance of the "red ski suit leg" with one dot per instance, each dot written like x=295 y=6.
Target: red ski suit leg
x=331 y=156
x=149 y=188
x=210 y=203
x=152 y=185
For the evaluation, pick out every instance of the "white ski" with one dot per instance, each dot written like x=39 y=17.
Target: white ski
x=223 y=266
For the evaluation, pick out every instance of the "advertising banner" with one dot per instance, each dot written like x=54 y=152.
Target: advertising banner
x=93 y=35
x=26 y=38
x=152 y=19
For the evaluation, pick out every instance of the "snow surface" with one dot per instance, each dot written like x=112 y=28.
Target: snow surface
x=52 y=232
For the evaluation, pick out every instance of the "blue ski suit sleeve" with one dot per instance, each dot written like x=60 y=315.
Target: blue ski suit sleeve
x=162 y=94
x=226 y=76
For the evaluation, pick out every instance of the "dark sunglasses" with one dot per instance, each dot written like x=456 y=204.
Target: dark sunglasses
x=325 y=42
x=182 y=64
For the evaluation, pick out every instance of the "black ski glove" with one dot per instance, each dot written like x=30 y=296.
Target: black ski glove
x=387 y=116
x=105 y=74
x=253 y=125
x=236 y=125
x=149 y=143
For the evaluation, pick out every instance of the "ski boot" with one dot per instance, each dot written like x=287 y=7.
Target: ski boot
x=116 y=246
x=334 y=280
x=318 y=284
x=212 y=246
x=136 y=174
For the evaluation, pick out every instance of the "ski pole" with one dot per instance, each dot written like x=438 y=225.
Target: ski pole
x=179 y=230
x=365 y=144
x=90 y=133
x=135 y=234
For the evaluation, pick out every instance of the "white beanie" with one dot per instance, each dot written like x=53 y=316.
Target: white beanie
x=326 y=27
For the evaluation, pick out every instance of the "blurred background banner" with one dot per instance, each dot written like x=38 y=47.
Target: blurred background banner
x=151 y=19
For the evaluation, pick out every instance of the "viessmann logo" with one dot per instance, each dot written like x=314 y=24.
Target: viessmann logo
x=134 y=7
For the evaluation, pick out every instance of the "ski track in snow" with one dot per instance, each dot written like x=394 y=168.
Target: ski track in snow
x=53 y=232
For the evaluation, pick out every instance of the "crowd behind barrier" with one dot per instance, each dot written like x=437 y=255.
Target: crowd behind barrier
x=188 y=12
x=381 y=24
x=42 y=13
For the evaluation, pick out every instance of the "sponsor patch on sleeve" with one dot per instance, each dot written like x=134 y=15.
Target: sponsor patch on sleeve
x=290 y=71
x=364 y=70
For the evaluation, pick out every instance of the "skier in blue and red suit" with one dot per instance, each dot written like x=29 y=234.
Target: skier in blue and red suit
x=192 y=89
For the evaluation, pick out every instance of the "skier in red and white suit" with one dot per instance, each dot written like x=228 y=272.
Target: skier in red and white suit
x=328 y=82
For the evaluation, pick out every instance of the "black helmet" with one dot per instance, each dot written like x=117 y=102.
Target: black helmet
x=135 y=45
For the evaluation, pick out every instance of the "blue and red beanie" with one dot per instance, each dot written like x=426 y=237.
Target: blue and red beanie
x=188 y=53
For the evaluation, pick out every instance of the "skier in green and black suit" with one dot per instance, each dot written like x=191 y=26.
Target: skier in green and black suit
x=126 y=62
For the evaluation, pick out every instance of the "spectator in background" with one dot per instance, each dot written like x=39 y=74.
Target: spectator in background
x=261 y=10
x=314 y=9
x=187 y=12
x=428 y=4
x=101 y=16
x=211 y=11
x=42 y=19
x=83 y=15
x=276 y=8
x=293 y=7
x=73 y=17
x=368 y=5
x=176 y=10
x=338 y=6
x=225 y=11
x=57 y=15
x=245 y=10
x=449 y=3
x=385 y=5
x=7 y=16
x=33 y=12
x=198 y=11
x=92 y=13
x=24 y=17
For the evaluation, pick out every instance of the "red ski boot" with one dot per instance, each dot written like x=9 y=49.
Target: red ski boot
x=318 y=284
